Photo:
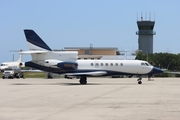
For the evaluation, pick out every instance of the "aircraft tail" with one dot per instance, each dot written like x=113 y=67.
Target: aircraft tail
x=35 y=42
x=20 y=58
x=40 y=51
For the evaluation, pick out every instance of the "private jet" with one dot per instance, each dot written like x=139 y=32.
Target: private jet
x=14 y=64
x=66 y=63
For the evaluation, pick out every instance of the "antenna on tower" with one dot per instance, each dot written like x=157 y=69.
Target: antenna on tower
x=141 y=17
x=150 y=16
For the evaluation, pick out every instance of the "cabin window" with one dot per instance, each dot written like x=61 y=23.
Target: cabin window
x=85 y=58
x=116 y=64
x=111 y=64
x=96 y=65
x=106 y=64
x=101 y=64
x=92 y=58
x=91 y=64
x=121 y=64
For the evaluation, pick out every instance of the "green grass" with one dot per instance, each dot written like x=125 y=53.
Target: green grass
x=43 y=75
x=34 y=75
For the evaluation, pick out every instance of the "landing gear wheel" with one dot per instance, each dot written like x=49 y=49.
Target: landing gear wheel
x=139 y=82
x=49 y=76
x=83 y=80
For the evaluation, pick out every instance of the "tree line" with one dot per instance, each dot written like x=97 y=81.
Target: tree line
x=162 y=60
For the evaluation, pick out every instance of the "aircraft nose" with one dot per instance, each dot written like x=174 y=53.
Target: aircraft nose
x=156 y=70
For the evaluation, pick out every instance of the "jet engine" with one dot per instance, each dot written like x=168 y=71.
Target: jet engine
x=51 y=62
x=21 y=64
x=67 y=65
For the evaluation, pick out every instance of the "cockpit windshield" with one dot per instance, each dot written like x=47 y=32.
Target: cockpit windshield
x=3 y=64
x=142 y=64
x=145 y=64
x=149 y=64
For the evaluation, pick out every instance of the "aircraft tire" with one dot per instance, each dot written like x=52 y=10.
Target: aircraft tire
x=83 y=80
x=139 y=82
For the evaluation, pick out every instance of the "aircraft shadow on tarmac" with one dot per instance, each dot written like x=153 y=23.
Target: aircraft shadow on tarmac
x=64 y=84
x=22 y=84
x=75 y=84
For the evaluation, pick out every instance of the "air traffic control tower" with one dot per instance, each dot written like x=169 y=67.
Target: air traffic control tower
x=145 y=39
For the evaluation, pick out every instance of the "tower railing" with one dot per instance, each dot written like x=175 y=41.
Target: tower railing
x=145 y=32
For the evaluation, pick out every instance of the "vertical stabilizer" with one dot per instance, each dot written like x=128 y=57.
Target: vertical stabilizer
x=35 y=42
x=20 y=58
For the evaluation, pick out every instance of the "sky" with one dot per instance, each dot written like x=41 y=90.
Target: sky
x=79 y=23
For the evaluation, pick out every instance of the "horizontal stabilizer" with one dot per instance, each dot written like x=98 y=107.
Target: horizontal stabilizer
x=33 y=52
x=32 y=71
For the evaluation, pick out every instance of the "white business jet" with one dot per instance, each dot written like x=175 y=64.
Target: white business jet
x=66 y=63
x=15 y=64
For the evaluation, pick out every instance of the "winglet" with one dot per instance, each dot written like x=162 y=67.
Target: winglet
x=36 y=42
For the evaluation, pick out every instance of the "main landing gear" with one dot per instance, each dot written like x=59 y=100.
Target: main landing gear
x=139 y=80
x=83 y=80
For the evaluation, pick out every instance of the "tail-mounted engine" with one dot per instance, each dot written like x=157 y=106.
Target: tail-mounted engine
x=21 y=64
x=61 y=64
x=68 y=65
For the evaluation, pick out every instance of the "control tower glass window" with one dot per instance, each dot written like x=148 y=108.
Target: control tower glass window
x=145 y=27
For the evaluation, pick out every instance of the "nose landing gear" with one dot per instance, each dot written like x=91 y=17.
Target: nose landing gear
x=139 y=80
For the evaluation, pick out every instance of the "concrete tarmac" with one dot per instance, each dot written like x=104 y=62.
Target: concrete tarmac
x=100 y=99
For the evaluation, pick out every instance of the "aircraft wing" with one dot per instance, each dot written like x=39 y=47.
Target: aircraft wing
x=174 y=72
x=32 y=52
x=36 y=71
x=96 y=73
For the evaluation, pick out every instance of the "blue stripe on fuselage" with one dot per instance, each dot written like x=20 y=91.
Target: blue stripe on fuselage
x=63 y=71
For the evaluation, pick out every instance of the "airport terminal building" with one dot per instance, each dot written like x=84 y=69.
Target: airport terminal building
x=91 y=53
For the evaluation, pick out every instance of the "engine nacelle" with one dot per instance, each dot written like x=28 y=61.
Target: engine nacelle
x=61 y=64
x=68 y=65
x=21 y=64
x=51 y=62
